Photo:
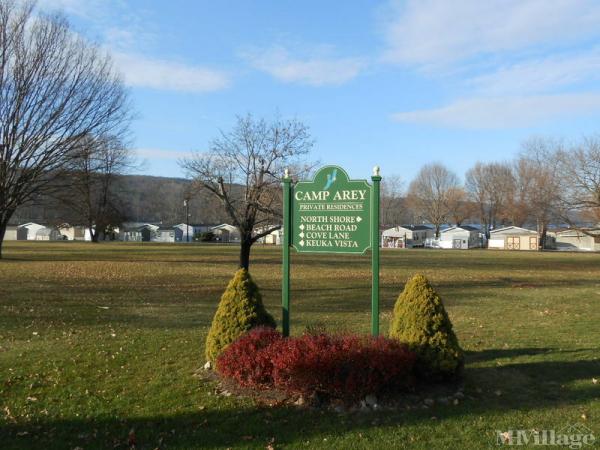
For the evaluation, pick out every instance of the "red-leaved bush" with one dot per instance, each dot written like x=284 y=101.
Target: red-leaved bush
x=347 y=367
x=248 y=360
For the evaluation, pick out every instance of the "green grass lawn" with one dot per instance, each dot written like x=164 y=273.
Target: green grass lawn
x=99 y=340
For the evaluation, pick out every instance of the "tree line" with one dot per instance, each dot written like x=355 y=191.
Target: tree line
x=548 y=182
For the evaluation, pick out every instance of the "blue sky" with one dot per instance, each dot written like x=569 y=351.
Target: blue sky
x=394 y=83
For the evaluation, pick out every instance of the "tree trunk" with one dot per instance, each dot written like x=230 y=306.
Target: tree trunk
x=437 y=231
x=245 y=246
x=2 y=233
x=542 y=242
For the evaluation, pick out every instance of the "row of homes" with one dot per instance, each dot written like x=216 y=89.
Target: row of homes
x=148 y=232
x=35 y=232
x=404 y=236
x=415 y=236
x=136 y=232
x=505 y=238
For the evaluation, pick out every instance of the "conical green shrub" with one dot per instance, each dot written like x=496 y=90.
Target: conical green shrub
x=421 y=322
x=240 y=309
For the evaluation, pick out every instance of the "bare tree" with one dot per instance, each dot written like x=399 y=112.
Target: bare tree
x=243 y=169
x=91 y=192
x=490 y=186
x=544 y=190
x=460 y=208
x=580 y=168
x=429 y=194
x=518 y=207
x=55 y=90
x=391 y=200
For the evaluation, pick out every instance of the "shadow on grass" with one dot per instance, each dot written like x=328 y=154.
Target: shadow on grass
x=494 y=354
x=490 y=390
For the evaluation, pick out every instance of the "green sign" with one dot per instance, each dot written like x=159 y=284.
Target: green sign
x=331 y=214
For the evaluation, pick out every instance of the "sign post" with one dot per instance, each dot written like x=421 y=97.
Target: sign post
x=376 y=178
x=285 y=288
x=331 y=214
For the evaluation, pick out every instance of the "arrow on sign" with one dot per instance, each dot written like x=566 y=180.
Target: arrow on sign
x=358 y=219
x=301 y=243
x=301 y=227
x=301 y=234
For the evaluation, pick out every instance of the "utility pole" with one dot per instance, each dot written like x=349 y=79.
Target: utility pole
x=186 y=203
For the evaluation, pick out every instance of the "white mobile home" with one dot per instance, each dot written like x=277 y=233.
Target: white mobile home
x=406 y=236
x=48 y=234
x=130 y=233
x=182 y=230
x=28 y=231
x=578 y=240
x=75 y=232
x=514 y=238
x=461 y=237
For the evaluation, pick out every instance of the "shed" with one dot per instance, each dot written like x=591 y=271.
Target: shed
x=514 y=238
x=461 y=237
x=406 y=236
x=148 y=232
x=226 y=233
x=572 y=239
x=28 y=231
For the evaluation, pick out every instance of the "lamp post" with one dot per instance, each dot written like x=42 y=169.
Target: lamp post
x=186 y=203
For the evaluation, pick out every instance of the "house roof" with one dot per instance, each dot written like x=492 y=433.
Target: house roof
x=512 y=230
x=417 y=227
x=30 y=224
x=579 y=233
x=224 y=226
x=399 y=228
x=462 y=227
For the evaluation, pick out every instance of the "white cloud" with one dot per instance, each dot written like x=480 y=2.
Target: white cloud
x=539 y=75
x=155 y=153
x=432 y=33
x=314 y=70
x=482 y=113
x=141 y=71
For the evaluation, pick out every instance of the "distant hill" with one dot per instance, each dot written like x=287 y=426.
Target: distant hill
x=144 y=199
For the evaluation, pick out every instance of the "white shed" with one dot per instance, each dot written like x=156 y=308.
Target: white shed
x=461 y=237
x=513 y=238
x=28 y=231
x=226 y=233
